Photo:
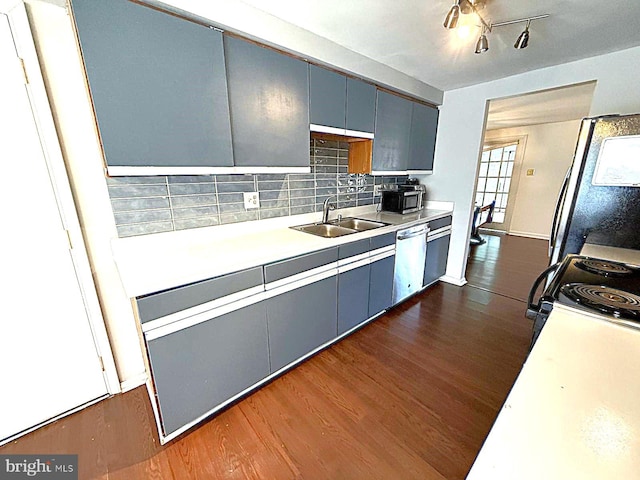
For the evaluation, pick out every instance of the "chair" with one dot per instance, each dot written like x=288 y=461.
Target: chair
x=481 y=216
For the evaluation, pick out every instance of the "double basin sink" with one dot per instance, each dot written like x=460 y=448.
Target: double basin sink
x=340 y=227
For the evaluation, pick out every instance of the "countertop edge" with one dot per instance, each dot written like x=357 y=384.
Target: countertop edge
x=144 y=262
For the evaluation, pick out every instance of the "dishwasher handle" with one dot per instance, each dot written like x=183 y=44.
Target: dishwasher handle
x=412 y=232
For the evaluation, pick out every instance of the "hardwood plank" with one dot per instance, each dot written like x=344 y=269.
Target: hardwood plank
x=507 y=265
x=411 y=395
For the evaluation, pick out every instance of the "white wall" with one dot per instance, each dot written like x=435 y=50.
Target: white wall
x=462 y=119
x=549 y=151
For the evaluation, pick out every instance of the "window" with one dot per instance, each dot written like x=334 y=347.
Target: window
x=494 y=178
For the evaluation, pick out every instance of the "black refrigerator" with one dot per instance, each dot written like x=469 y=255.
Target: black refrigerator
x=600 y=199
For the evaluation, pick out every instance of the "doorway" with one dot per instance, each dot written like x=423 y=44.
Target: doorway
x=528 y=146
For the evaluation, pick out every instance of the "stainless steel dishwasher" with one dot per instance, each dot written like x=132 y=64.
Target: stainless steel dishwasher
x=411 y=251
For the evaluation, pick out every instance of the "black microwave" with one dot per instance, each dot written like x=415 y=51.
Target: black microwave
x=401 y=201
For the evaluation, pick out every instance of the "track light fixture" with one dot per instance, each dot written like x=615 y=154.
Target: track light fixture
x=472 y=6
x=451 y=20
x=523 y=38
x=482 y=45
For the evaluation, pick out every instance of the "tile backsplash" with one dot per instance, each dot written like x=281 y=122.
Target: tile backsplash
x=143 y=205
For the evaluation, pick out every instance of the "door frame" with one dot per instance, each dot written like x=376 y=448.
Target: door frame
x=16 y=14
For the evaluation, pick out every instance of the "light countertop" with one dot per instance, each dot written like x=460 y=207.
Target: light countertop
x=573 y=412
x=151 y=263
x=615 y=254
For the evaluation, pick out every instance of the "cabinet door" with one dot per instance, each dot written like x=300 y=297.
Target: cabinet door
x=302 y=320
x=424 y=124
x=353 y=298
x=269 y=103
x=393 y=127
x=158 y=85
x=198 y=368
x=381 y=285
x=328 y=92
x=361 y=105
x=436 y=262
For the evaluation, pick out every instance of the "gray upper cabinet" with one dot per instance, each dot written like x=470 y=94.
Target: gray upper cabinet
x=392 y=132
x=269 y=103
x=328 y=97
x=158 y=85
x=424 y=125
x=361 y=105
x=340 y=102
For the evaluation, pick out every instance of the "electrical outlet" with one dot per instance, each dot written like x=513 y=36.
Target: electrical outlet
x=251 y=200
x=376 y=190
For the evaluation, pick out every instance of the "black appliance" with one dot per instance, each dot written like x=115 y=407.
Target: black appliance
x=600 y=198
x=404 y=199
x=606 y=288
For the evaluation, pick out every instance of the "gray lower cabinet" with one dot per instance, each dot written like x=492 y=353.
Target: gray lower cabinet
x=301 y=320
x=381 y=285
x=158 y=85
x=353 y=297
x=198 y=368
x=392 y=132
x=269 y=104
x=422 y=142
x=436 y=261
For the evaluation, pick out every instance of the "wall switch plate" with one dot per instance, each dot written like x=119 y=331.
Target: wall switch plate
x=376 y=190
x=530 y=172
x=251 y=200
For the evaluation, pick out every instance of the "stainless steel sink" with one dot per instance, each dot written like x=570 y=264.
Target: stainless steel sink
x=359 y=224
x=338 y=228
x=324 y=230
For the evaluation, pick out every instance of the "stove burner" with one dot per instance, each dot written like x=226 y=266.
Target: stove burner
x=607 y=300
x=608 y=269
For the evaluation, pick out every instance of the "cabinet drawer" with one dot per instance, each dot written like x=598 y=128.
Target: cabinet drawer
x=439 y=223
x=292 y=266
x=354 y=248
x=157 y=305
x=383 y=240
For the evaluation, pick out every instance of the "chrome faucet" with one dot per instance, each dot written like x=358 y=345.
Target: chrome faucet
x=326 y=206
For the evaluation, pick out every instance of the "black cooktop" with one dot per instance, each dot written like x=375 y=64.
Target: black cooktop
x=606 y=287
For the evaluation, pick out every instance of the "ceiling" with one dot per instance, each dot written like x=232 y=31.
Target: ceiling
x=548 y=106
x=408 y=34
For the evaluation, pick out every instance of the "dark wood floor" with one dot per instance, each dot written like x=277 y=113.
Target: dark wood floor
x=411 y=395
x=507 y=265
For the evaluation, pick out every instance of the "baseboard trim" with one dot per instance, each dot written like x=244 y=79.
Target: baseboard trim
x=458 y=282
x=529 y=235
x=133 y=382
